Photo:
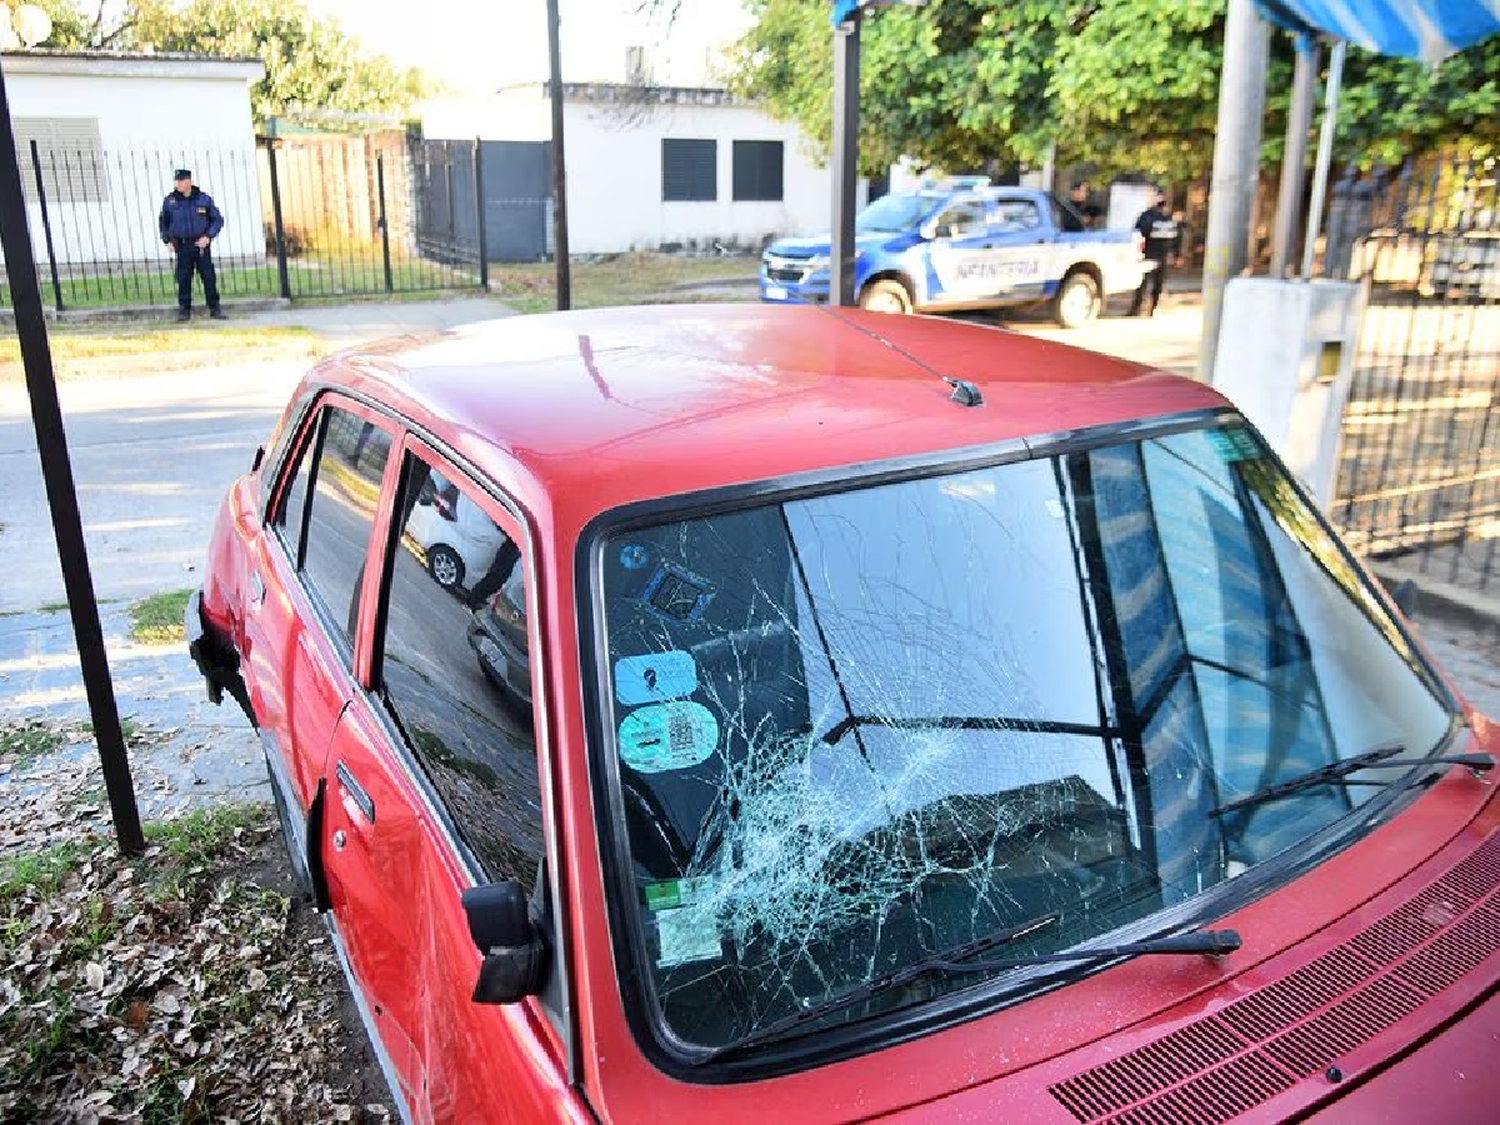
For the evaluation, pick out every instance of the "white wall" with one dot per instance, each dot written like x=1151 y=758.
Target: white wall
x=615 y=177
x=154 y=116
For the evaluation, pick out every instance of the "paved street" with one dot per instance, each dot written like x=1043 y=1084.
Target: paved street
x=153 y=456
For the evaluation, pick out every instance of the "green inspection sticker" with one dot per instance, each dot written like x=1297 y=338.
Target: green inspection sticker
x=1234 y=445
x=677 y=892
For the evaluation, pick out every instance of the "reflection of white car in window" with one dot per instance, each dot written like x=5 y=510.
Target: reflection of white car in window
x=456 y=539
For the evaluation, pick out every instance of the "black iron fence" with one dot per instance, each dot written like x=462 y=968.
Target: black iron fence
x=1419 y=470
x=305 y=216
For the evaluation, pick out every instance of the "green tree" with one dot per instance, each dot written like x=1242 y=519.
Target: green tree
x=99 y=26
x=311 y=64
x=1122 y=85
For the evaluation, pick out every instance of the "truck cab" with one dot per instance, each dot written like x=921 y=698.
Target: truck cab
x=964 y=245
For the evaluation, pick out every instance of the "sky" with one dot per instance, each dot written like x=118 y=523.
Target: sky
x=479 y=45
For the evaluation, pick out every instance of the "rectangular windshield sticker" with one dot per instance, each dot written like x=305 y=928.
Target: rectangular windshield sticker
x=688 y=933
x=1234 y=445
x=668 y=736
x=655 y=677
x=678 y=892
x=677 y=594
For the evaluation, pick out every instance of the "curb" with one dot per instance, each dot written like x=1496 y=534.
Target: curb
x=144 y=312
x=1443 y=601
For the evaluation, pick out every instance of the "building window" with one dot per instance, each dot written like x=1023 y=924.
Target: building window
x=757 y=170
x=689 y=170
x=72 y=158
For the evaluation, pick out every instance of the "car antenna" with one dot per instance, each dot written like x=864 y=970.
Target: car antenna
x=965 y=392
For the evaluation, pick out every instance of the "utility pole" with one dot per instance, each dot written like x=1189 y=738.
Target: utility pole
x=1236 y=171
x=845 y=159
x=559 y=165
x=62 y=496
x=1294 y=155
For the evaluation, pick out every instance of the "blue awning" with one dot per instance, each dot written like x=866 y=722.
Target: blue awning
x=1430 y=30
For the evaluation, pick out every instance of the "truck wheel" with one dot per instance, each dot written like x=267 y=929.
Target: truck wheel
x=886 y=297
x=1077 y=301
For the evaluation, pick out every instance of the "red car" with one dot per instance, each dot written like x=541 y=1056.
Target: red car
x=897 y=718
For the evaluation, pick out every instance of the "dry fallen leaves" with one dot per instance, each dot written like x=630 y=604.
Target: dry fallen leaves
x=172 y=989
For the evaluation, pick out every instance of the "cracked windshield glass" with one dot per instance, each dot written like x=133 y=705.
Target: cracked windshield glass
x=854 y=731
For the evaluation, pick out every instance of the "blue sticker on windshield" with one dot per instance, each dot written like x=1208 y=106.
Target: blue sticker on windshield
x=655 y=677
x=668 y=736
x=633 y=556
x=676 y=593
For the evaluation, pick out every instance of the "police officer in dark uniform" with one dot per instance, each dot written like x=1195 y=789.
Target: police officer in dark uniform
x=1163 y=237
x=189 y=222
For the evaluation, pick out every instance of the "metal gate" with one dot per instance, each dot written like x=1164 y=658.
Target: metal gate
x=1419 y=468
x=512 y=177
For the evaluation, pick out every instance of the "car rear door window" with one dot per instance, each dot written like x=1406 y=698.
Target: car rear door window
x=455 y=665
x=327 y=514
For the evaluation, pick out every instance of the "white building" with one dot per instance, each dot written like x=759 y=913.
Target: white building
x=109 y=131
x=658 y=166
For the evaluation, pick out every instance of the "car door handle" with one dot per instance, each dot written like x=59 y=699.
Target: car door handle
x=355 y=791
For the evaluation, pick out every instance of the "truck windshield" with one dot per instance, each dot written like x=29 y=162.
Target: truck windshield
x=849 y=731
x=896 y=214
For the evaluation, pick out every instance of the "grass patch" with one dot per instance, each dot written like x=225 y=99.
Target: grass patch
x=624 y=279
x=206 y=832
x=30 y=739
x=92 y=352
x=41 y=871
x=340 y=272
x=157 y=620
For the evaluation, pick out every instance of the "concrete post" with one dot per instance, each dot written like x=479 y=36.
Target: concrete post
x=1294 y=155
x=1242 y=100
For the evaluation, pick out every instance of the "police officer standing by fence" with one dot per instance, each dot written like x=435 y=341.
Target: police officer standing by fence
x=189 y=222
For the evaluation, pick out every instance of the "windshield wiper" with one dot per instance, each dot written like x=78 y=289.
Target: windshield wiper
x=1382 y=757
x=955 y=961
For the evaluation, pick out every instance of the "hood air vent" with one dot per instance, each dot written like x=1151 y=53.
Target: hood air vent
x=1247 y=1052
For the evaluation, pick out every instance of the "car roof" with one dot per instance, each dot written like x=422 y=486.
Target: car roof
x=585 y=411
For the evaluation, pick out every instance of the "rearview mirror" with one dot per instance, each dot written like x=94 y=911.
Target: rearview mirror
x=501 y=925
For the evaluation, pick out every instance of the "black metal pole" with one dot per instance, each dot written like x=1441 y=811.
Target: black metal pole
x=385 y=232
x=41 y=199
x=559 y=169
x=479 y=205
x=283 y=278
x=62 y=498
x=845 y=159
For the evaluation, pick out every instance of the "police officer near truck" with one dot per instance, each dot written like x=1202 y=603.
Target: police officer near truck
x=189 y=223
x=1163 y=235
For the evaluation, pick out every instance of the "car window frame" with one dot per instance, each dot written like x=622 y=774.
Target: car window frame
x=651 y=1034
x=306 y=438
x=559 y=1010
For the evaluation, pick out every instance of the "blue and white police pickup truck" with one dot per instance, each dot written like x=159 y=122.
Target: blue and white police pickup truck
x=965 y=245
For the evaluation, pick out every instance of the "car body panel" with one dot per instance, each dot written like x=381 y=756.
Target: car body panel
x=593 y=411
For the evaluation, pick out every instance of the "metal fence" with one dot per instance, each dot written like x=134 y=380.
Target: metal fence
x=305 y=217
x=1419 y=469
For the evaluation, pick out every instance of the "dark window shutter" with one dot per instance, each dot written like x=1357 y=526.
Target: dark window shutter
x=689 y=170
x=757 y=170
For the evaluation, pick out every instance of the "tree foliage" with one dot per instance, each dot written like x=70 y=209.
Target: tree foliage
x=76 y=27
x=1123 y=85
x=311 y=64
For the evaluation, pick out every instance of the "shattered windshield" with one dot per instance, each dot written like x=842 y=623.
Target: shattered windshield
x=851 y=731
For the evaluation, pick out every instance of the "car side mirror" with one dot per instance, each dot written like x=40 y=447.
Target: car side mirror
x=928 y=230
x=515 y=956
